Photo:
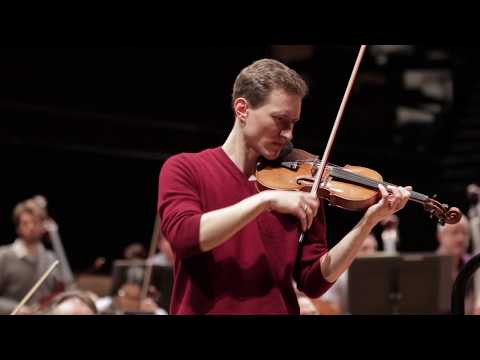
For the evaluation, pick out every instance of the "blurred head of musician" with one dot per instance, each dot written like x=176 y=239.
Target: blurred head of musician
x=134 y=251
x=28 y=220
x=454 y=240
x=73 y=303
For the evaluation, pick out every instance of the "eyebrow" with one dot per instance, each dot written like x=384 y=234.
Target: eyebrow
x=284 y=115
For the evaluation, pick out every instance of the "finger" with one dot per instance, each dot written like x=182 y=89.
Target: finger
x=395 y=191
x=383 y=191
x=405 y=197
x=385 y=200
x=395 y=197
x=404 y=193
x=310 y=197
x=306 y=210
x=315 y=209
x=313 y=204
x=302 y=216
x=309 y=214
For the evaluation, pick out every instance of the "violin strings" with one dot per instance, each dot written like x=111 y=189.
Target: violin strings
x=347 y=175
x=338 y=171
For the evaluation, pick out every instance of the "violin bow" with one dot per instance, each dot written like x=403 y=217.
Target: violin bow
x=35 y=287
x=148 y=268
x=326 y=153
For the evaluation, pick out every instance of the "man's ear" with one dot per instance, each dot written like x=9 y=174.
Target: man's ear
x=240 y=106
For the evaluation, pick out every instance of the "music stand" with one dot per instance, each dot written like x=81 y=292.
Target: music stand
x=400 y=284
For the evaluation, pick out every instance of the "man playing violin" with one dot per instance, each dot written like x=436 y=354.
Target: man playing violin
x=237 y=249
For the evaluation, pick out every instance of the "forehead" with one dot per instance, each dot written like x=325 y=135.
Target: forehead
x=73 y=305
x=281 y=101
x=27 y=216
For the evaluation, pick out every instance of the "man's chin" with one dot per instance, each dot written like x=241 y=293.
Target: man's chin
x=271 y=154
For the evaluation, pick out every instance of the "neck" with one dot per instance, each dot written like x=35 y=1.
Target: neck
x=31 y=246
x=239 y=152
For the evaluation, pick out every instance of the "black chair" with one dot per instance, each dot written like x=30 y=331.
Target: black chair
x=460 y=285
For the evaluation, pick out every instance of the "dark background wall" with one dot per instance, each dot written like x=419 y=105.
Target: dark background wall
x=90 y=129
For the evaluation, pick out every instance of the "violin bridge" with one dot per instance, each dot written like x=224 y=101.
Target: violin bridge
x=291 y=165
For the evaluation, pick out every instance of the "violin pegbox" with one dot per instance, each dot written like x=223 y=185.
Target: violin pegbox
x=442 y=212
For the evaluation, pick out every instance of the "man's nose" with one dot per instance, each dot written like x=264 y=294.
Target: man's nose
x=287 y=133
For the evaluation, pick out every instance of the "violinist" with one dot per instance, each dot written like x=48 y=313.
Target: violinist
x=25 y=260
x=237 y=249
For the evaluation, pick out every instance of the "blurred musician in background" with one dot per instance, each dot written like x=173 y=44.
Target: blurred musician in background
x=24 y=261
x=473 y=195
x=454 y=240
x=335 y=300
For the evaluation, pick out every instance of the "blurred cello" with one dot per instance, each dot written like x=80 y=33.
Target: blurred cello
x=53 y=235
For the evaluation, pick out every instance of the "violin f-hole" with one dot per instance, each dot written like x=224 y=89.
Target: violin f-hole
x=305 y=181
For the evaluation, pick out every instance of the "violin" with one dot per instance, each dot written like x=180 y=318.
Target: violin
x=348 y=187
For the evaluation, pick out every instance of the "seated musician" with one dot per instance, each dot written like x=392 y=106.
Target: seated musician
x=24 y=261
x=128 y=277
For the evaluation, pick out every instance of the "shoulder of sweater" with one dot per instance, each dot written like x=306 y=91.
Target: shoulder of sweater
x=190 y=158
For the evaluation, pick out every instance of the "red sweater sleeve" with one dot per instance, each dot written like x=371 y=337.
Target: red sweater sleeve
x=179 y=206
x=307 y=273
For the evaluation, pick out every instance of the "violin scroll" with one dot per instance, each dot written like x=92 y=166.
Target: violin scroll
x=444 y=213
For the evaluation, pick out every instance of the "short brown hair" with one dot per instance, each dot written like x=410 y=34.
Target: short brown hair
x=256 y=81
x=28 y=206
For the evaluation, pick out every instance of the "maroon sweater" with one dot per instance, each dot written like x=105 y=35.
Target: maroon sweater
x=252 y=272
